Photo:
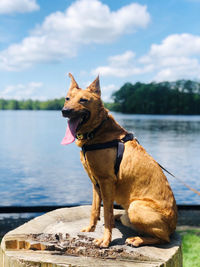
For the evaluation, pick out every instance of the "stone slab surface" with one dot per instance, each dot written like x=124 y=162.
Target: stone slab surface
x=54 y=239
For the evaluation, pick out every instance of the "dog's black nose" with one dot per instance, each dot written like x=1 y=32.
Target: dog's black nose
x=66 y=112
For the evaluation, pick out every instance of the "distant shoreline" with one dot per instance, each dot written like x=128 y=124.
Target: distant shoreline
x=139 y=114
x=165 y=98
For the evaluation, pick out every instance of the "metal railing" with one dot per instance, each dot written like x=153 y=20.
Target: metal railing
x=41 y=209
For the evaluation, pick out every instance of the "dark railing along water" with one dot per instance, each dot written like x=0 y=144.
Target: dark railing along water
x=42 y=209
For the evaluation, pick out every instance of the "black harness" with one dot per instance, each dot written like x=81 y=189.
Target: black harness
x=118 y=143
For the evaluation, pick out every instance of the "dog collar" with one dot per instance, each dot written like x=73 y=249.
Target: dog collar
x=90 y=135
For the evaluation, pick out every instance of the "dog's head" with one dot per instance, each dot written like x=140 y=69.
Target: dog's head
x=83 y=108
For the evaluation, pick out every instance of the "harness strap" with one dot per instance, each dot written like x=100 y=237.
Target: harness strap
x=120 y=152
x=118 y=143
x=92 y=147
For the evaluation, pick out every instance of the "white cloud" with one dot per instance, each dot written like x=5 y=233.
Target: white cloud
x=122 y=59
x=178 y=45
x=21 y=91
x=180 y=68
x=62 y=33
x=123 y=65
x=18 y=6
x=177 y=57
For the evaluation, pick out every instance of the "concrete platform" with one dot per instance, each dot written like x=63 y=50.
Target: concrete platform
x=55 y=240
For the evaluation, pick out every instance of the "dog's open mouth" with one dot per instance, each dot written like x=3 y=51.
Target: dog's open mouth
x=74 y=124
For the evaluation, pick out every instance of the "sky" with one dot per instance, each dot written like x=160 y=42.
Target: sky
x=120 y=40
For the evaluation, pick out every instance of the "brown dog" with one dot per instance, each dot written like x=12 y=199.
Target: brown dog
x=139 y=186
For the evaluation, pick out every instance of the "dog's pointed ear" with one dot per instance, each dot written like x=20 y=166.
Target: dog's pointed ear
x=94 y=87
x=73 y=82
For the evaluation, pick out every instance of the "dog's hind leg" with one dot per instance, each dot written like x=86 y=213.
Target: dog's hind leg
x=148 y=221
x=95 y=212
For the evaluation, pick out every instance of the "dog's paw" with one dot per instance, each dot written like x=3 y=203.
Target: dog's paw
x=88 y=229
x=134 y=241
x=101 y=243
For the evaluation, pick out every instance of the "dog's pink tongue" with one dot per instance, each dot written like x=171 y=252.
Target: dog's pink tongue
x=70 y=132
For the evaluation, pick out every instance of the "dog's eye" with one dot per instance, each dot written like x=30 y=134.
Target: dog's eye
x=83 y=100
x=67 y=98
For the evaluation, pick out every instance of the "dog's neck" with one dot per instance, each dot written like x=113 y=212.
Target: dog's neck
x=106 y=130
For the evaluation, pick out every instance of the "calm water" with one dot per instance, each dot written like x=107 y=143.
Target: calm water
x=36 y=170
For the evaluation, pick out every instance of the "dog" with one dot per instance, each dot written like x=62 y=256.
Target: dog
x=139 y=185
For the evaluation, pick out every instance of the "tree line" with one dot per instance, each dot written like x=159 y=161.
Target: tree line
x=55 y=104
x=180 y=97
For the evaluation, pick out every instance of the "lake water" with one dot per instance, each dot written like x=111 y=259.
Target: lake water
x=36 y=170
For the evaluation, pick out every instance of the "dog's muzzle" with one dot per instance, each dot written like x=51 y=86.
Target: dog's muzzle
x=66 y=112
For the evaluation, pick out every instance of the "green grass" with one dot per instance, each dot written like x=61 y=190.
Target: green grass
x=190 y=247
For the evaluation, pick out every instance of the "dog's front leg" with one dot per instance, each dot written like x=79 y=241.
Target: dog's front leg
x=95 y=212
x=107 y=192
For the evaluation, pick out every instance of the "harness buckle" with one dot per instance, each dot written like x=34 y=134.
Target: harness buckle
x=80 y=136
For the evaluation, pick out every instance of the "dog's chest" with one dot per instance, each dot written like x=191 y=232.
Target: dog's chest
x=99 y=163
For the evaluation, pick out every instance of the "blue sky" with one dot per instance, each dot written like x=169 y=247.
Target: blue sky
x=122 y=41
